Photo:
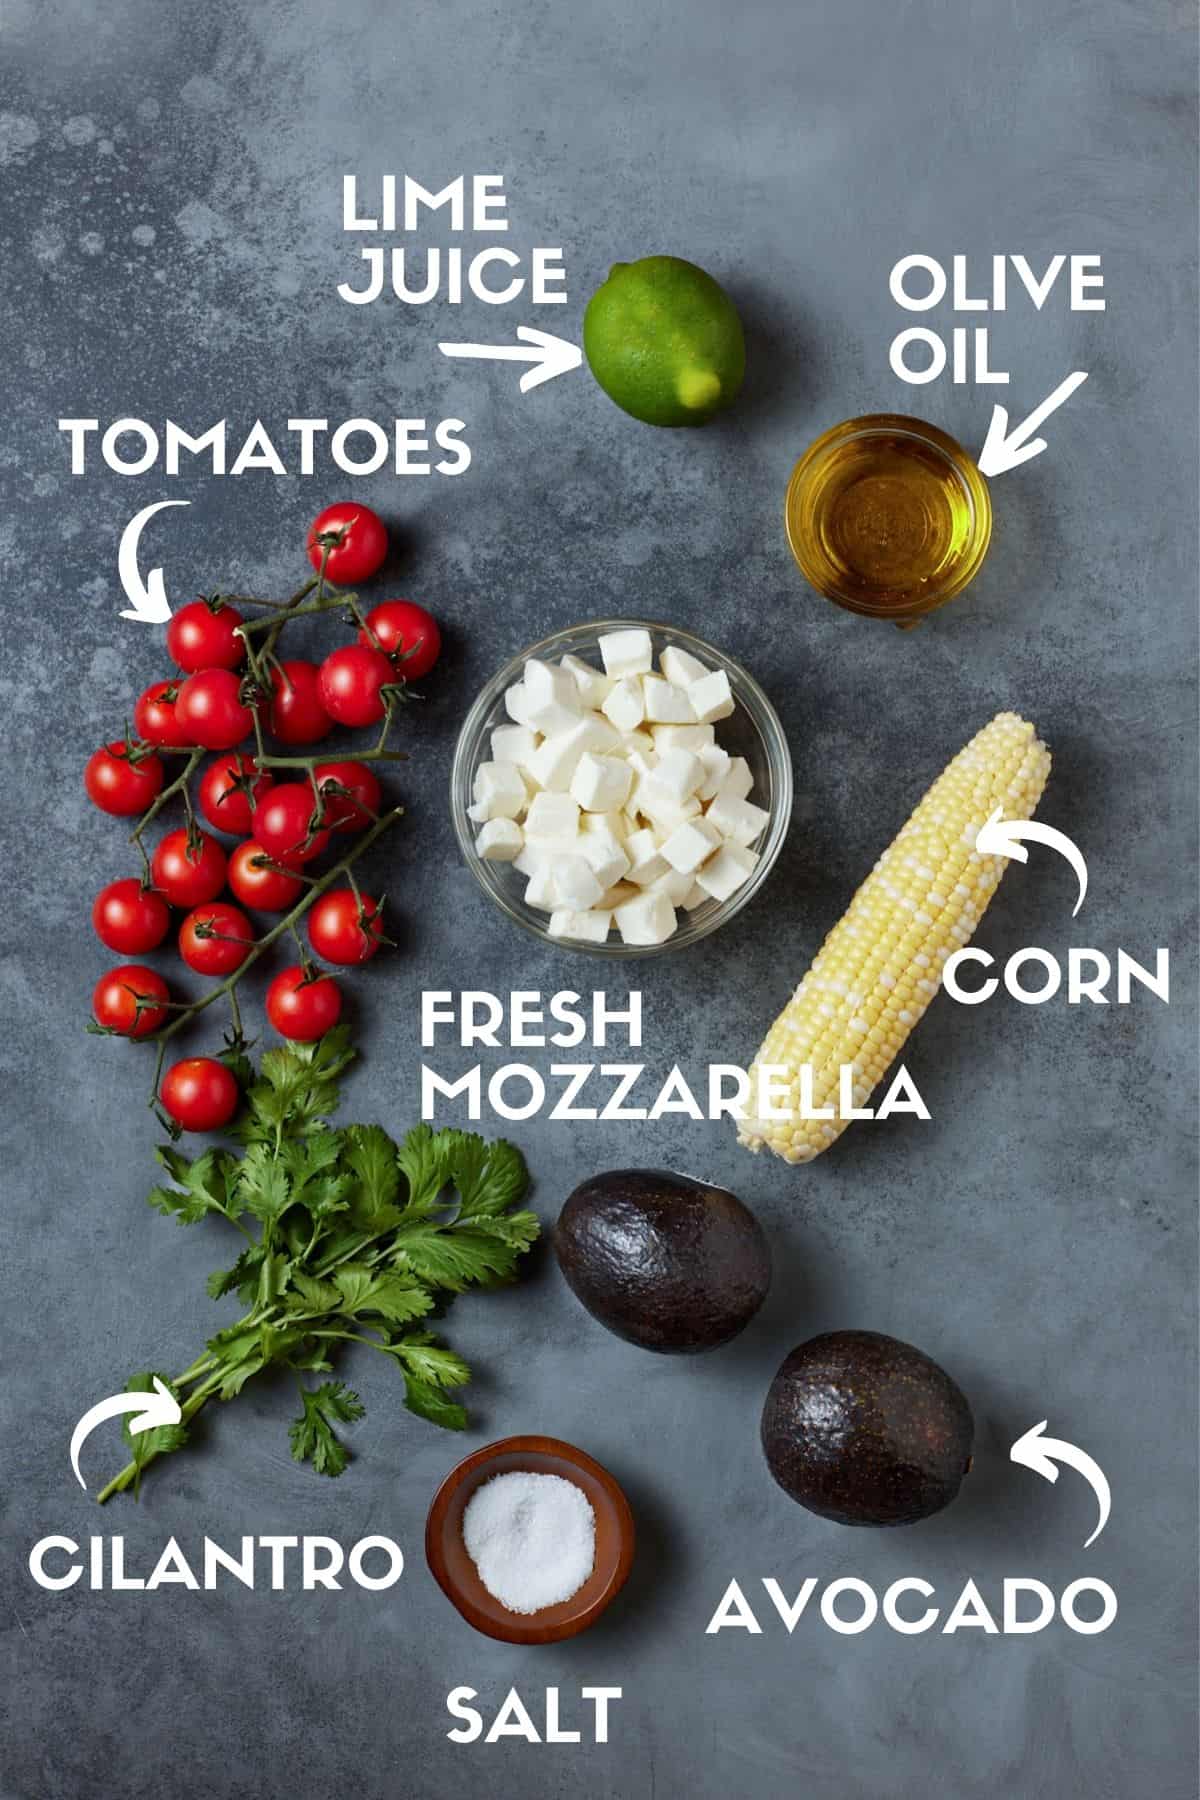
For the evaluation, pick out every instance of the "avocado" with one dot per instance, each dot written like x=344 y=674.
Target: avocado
x=867 y=1430
x=665 y=1262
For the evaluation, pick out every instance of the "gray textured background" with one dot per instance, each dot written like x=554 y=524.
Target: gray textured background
x=171 y=245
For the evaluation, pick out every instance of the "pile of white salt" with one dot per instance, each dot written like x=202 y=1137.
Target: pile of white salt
x=532 y=1539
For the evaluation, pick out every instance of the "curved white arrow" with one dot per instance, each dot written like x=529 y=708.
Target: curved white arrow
x=150 y=603
x=158 y=1408
x=1003 y=449
x=549 y=355
x=999 y=837
x=1043 y=1454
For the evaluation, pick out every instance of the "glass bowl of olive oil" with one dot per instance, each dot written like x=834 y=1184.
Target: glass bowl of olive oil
x=888 y=516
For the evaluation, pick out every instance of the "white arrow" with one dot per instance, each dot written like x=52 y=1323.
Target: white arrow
x=150 y=603
x=1007 y=450
x=550 y=356
x=1043 y=1454
x=158 y=1408
x=999 y=837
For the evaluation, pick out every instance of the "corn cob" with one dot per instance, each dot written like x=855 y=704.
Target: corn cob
x=882 y=963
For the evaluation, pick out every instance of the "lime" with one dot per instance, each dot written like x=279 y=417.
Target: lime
x=664 y=341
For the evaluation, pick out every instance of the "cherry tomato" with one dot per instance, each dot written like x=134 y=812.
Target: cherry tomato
x=199 y=1093
x=130 y=918
x=188 y=874
x=269 y=890
x=336 y=931
x=224 y=800
x=406 y=633
x=301 y=1007
x=362 y=546
x=352 y=810
x=115 y=1000
x=283 y=824
x=350 y=682
x=210 y=710
x=223 y=951
x=199 y=637
x=297 y=715
x=119 y=784
x=154 y=716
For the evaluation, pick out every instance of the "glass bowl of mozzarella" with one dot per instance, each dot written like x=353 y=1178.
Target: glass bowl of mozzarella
x=621 y=788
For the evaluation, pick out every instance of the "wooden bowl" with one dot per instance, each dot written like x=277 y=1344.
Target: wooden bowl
x=457 y=1576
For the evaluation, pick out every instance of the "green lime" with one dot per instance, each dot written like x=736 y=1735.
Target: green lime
x=664 y=341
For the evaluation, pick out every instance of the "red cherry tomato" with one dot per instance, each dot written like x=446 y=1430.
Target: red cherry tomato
x=301 y=1007
x=201 y=637
x=343 y=932
x=350 y=682
x=154 y=716
x=406 y=633
x=199 y=1093
x=215 y=940
x=362 y=543
x=115 y=1000
x=266 y=889
x=188 y=874
x=224 y=800
x=352 y=810
x=130 y=918
x=210 y=710
x=297 y=715
x=119 y=784
x=283 y=824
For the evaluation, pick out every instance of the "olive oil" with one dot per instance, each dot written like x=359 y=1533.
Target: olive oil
x=888 y=516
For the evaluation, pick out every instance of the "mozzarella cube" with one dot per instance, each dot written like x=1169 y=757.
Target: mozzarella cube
x=585 y=927
x=516 y=703
x=738 y=780
x=614 y=823
x=724 y=873
x=663 y=810
x=478 y=812
x=553 y=698
x=499 y=841
x=684 y=737
x=691 y=844
x=712 y=697
x=666 y=704
x=501 y=788
x=514 y=744
x=639 y=740
x=678 y=774
x=604 y=851
x=575 y=882
x=540 y=890
x=532 y=857
x=645 y=864
x=716 y=767
x=551 y=819
x=601 y=783
x=618 y=894
x=680 y=667
x=695 y=898
x=627 y=653
x=674 y=885
x=556 y=758
x=738 y=820
x=625 y=707
x=650 y=919
x=593 y=685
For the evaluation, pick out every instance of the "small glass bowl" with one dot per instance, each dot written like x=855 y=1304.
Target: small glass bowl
x=752 y=731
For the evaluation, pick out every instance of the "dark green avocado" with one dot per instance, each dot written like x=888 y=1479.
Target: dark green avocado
x=665 y=1262
x=866 y=1430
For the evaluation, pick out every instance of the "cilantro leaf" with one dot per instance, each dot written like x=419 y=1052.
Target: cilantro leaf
x=489 y=1177
x=430 y=1403
x=429 y=1360
x=393 y=1296
x=312 y=1436
x=370 y=1157
x=262 y=1185
x=160 y=1439
x=420 y=1159
x=201 y=1189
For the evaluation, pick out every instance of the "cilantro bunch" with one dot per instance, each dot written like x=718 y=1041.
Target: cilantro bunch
x=350 y=1238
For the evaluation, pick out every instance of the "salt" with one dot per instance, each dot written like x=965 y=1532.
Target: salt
x=532 y=1539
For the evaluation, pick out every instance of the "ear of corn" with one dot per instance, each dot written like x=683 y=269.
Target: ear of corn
x=882 y=963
